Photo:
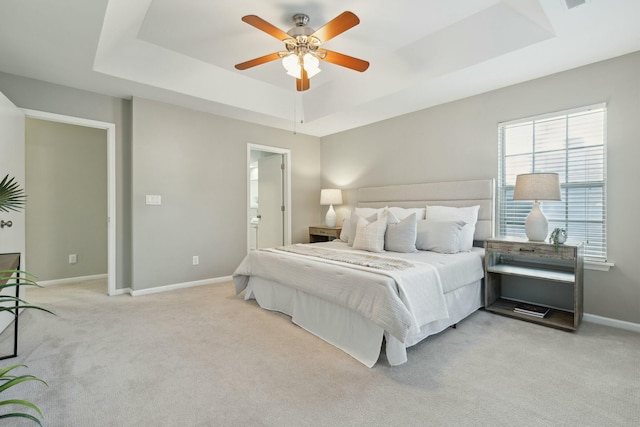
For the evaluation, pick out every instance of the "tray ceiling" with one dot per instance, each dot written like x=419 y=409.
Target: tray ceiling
x=421 y=53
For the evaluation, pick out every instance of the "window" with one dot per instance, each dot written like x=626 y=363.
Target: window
x=572 y=144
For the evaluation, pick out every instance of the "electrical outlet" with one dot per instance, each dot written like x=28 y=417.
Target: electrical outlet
x=196 y=260
x=73 y=258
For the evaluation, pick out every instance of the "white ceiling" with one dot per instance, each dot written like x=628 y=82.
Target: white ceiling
x=422 y=52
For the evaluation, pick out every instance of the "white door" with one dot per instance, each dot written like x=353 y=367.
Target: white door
x=270 y=201
x=12 y=239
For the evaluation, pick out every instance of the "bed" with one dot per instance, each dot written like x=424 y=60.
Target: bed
x=359 y=299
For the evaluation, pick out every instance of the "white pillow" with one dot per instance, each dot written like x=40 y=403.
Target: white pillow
x=401 y=234
x=346 y=230
x=448 y=213
x=353 y=225
x=439 y=236
x=402 y=213
x=367 y=212
x=370 y=235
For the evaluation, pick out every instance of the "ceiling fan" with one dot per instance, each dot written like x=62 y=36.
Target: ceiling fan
x=303 y=46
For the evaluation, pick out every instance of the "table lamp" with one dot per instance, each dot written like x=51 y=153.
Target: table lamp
x=537 y=187
x=330 y=196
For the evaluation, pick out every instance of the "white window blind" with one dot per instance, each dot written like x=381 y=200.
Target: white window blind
x=572 y=144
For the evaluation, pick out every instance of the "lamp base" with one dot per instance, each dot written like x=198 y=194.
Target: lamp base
x=536 y=225
x=330 y=219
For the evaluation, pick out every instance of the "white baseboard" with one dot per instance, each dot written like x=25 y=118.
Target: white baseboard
x=70 y=280
x=620 y=324
x=173 y=287
x=122 y=291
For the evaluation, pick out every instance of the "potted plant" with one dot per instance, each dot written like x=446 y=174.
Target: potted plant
x=13 y=198
x=558 y=236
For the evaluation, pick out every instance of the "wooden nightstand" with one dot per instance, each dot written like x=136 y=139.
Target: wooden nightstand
x=322 y=233
x=538 y=269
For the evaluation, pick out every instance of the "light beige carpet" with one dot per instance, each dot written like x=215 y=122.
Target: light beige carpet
x=205 y=357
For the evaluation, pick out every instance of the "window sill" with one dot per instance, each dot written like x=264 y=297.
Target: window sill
x=598 y=266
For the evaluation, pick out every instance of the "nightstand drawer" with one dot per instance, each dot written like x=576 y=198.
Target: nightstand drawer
x=323 y=233
x=542 y=250
x=331 y=232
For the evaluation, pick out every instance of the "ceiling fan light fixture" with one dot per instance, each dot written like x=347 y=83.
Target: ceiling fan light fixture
x=311 y=64
x=292 y=65
x=304 y=47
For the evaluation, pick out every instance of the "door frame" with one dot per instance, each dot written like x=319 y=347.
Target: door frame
x=286 y=191
x=111 y=183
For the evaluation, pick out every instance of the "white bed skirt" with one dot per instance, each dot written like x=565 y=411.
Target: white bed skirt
x=362 y=339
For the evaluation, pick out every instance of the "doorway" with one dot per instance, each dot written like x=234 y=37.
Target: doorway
x=268 y=197
x=111 y=180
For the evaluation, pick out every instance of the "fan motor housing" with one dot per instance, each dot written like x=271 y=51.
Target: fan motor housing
x=301 y=29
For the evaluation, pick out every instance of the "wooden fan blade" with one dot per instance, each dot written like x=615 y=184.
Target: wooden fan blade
x=303 y=83
x=258 y=61
x=346 y=61
x=337 y=25
x=263 y=25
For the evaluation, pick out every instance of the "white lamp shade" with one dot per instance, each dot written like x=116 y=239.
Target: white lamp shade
x=312 y=65
x=331 y=196
x=292 y=65
x=536 y=187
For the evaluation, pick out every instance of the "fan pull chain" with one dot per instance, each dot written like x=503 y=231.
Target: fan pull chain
x=294 y=113
x=297 y=100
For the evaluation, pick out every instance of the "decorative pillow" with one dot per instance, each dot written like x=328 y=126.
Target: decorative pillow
x=401 y=234
x=346 y=230
x=402 y=213
x=370 y=235
x=448 y=213
x=439 y=236
x=353 y=225
x=368 y=212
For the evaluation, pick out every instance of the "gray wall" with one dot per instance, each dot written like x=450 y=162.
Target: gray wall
x=211 y=153
x=197 y=163
x=459 y=140
x=449 y=142
x=42 y=96
x=66 y=212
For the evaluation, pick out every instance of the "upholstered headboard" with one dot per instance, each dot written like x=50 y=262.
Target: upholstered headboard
x=451 y=193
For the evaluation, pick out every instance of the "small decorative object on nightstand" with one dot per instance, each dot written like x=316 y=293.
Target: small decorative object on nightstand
x=558 y=236
x=322 y=233
x=535 y=266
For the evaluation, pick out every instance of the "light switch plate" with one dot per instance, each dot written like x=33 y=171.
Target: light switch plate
x=153 y=199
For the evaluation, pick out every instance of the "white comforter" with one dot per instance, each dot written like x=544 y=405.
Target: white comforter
x=399 y=301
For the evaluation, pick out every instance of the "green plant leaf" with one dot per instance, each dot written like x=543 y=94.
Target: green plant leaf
x=24 y=273
x=23 y=403
x=11 y=298
x=17 y=380
x=20 y=277
x=20 y=307
x=12 y=197
x=26 y=283
x=21 y=415
x=10 y=368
